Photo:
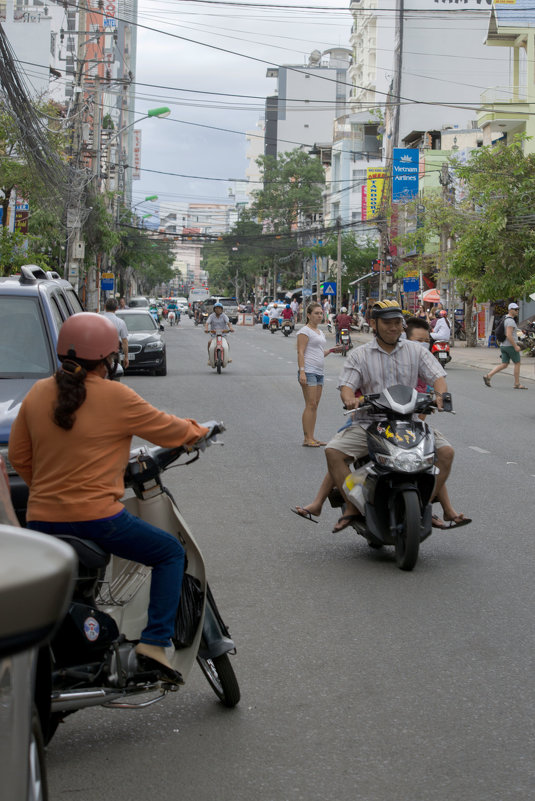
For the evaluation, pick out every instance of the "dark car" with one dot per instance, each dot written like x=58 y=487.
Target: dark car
x=146 y=346
x=36 y=583
x=33 y=307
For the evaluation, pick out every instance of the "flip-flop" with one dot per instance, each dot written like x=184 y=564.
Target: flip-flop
x=311 y=445
x=348 y=520
x=437 y=522
x=457 y=523
x=519 y=386
x=486 y=380
x=319 y=442
x=304 y=513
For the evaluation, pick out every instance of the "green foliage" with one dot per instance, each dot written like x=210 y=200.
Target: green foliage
x=237 y=258
x=292 y=187
x=147 y=254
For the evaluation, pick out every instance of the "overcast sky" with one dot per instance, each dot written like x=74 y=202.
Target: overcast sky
x=275 y=36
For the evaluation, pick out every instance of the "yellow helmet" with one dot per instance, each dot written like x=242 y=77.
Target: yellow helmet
x=386 y=310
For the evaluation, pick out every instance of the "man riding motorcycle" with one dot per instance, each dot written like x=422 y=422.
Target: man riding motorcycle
x=383 y=362
x=343 y=320
x=217 y=322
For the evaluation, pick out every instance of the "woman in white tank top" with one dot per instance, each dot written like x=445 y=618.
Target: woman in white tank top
x=311 y=352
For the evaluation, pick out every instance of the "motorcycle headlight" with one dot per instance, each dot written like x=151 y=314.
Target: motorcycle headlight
x=158 y=345
x=406 y=461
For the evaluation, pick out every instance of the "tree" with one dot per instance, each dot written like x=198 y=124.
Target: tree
x=289 y=200
x=148 y=256
x=235 y=261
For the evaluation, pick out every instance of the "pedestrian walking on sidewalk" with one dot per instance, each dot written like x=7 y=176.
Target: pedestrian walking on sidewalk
x=509 y=349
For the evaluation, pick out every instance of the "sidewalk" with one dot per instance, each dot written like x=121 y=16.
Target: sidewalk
x=482 y=358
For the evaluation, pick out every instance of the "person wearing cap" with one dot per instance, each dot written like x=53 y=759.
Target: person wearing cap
x=509 y=349
x=385 y=361
x=217 y=322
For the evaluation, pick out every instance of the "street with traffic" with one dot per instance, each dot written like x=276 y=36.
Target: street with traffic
x=357 y=680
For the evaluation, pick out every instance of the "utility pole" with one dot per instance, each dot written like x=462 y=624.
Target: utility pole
x=338 y=263
x=445 y=182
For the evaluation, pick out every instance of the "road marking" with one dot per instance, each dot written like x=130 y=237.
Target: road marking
x=479 y=450
x=511 y=463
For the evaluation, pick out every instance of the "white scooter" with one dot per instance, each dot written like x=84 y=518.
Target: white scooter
x=92 y=658
x=218 y=351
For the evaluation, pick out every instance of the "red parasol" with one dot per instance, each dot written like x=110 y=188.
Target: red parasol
x=431 y=296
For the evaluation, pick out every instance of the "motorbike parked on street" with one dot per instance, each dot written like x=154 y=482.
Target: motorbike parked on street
x=393 y=487
x=441 y=351
x=219 y=350
x=92 y=659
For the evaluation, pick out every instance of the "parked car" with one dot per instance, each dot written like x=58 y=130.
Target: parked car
x=146 y=345
x=36 y=582
x=138 y=302
x=33 y=307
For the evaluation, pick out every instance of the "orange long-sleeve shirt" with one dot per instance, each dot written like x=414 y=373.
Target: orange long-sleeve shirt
x=78 y=474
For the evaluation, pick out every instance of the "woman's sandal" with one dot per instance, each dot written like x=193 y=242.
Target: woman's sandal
x=519 y=386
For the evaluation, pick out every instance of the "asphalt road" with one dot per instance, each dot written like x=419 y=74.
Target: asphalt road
x=359 y=681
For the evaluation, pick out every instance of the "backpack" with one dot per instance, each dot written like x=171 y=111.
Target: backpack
x=499 y=330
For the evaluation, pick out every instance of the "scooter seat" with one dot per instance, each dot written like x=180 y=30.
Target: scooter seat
x=89 y=553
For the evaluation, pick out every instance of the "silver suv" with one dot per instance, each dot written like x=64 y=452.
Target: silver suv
x=230 y=307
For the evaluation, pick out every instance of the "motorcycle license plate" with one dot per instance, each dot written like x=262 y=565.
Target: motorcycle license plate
x=443 y=357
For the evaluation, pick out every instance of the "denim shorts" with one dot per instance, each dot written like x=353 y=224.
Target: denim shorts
x=313 y=379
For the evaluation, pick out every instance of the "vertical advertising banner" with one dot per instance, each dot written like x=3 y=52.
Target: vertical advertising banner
x=374 y=192
x=136 y=174
x=364 y=203
x=405 y=171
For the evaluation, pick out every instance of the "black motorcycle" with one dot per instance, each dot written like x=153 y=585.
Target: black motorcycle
x=393 y=487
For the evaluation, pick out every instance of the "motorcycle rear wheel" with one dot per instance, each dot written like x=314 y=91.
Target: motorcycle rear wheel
x=408 y=517
x=221 y=678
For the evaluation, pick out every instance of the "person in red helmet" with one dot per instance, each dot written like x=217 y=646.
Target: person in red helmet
x=71 y=442
x=441 y=331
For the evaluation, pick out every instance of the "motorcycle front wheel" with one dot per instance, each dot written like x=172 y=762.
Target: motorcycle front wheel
x=408 y=517
x=219 y=364
x=221 y=678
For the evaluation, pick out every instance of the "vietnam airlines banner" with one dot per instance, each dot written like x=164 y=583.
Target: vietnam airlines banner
x=405 y=173
x=374 y=192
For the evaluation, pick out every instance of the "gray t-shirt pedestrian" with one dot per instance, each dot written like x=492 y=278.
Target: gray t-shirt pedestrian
x=510 y=327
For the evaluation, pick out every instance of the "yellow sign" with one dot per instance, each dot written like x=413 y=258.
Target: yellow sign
x=374 y=192
x=108 y=275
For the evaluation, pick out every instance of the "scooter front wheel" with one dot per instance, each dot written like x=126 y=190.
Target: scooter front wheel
x=221 y=678
x=408 y=518
x=219 y=364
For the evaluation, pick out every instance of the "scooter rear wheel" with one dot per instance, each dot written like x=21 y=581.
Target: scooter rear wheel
x=408 y=518
x=221 y=678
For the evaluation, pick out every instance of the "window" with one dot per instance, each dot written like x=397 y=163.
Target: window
x=24 y=350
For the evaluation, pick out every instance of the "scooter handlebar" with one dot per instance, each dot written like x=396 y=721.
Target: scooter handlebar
x=147 y=463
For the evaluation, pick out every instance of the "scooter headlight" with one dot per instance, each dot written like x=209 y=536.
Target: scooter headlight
x=406 y=461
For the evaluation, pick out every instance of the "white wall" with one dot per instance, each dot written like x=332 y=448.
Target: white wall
x=445 y=60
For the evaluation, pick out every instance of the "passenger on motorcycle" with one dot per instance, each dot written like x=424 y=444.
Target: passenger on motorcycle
x=217 y=322
x=441 y=331
x=343 y=320
x=71 y=444
x=383 y=362
x=287 y=313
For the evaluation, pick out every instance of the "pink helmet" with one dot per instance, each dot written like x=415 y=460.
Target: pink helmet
x=87 y=336
x=443 y=313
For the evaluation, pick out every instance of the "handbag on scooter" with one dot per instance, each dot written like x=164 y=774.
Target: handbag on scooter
x=189 y=612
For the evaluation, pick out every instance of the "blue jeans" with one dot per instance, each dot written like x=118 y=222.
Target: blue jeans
x=131 y=538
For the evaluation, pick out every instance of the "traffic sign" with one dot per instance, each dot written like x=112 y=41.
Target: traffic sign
x=329 y=288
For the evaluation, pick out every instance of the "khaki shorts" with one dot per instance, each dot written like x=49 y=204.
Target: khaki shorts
x=353 y=442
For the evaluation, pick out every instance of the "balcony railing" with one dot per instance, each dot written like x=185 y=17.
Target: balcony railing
x=504 y=94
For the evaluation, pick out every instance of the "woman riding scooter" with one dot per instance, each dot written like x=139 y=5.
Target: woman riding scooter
x=71 y=444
